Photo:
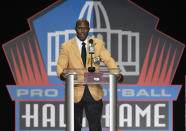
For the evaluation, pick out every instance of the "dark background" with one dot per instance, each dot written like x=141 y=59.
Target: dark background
x=13 y=22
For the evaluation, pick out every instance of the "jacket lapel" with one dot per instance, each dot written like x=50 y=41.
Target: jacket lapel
x=87 y=60
x=76 y=51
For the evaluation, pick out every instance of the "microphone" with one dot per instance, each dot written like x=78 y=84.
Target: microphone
x=91 y=51
x=91 y=47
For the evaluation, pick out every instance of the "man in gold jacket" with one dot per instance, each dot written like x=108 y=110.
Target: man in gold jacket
x=75 y=54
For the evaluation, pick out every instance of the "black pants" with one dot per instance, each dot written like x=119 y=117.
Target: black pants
x=93 y=111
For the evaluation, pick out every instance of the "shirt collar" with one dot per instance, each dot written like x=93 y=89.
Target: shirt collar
x=80 y=42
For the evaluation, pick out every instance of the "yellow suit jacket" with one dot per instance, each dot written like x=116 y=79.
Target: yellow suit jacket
x=70 y=57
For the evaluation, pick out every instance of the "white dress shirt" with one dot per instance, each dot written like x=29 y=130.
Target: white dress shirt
x=79 y=43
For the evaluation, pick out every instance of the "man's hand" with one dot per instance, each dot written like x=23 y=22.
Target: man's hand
x=120 y=78
x=62 y=76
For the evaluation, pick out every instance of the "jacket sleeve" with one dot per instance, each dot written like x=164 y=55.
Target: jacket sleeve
x=107 y=59
x=62 y=62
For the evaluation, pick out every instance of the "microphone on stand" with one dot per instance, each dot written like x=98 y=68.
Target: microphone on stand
x=91 y=51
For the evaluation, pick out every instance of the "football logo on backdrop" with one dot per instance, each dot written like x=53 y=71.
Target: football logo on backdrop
x=147 y=58
x=99 y=30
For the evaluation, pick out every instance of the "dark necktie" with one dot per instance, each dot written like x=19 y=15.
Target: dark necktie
x=83 y=54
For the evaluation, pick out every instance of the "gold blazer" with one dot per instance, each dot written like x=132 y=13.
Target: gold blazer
x=70 y=57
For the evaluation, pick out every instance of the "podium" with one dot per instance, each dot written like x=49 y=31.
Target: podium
x=83 y=77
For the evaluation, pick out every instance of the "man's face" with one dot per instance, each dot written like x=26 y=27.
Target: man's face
x=82 y=29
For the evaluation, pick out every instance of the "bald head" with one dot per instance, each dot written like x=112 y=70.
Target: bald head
x=82 y=20
x=82 y=29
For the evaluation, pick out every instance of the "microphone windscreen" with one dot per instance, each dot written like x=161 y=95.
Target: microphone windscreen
x=91 y=41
